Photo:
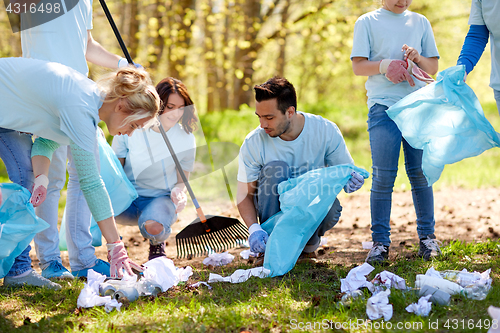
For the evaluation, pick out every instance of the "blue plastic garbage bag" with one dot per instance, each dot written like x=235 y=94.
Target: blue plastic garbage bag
x=304 y=203
x=446 y=120
x=121 y=191
x=18 y=224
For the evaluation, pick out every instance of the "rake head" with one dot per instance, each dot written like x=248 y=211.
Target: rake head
x=225 y=233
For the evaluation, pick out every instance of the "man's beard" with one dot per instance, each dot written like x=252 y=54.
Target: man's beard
x=281 y=129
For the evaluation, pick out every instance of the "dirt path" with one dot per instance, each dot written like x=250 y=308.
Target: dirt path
x=468 y=215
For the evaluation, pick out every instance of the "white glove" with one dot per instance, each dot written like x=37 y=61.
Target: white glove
x=123 y=62
x=354 y=183
x=179 y=198
x=39 y=192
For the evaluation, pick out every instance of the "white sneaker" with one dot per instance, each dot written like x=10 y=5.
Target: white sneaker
x=32 y=279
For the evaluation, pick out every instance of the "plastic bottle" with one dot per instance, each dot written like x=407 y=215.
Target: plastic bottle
x=463 y=278
x=349 y=296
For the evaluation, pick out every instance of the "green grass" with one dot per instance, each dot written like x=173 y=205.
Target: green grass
x=308 y=297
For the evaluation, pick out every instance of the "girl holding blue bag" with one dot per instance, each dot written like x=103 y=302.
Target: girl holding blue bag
x=151 y=169
x=62 y=106
x=394 y=48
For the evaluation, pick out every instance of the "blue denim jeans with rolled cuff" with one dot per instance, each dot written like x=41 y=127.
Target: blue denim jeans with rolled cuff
x=385 y=143
x=157 y=209
x=267 y=201
x=15 y=152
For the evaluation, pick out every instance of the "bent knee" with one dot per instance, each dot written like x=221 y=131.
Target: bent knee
x=153 y=227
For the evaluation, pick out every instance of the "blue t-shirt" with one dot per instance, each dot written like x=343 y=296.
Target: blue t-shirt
x=381 y=34
x=320 y=144
x=487 y=12
x=148 y=163
x=49 y=100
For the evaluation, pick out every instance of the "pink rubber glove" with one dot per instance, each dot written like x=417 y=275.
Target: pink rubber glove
x=39 y=192
x=395 y=71
x=118 y=259
x=179 y=199
x=418 y=72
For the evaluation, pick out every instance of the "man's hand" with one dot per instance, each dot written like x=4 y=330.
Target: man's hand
x=118 y=259
x=395 y=71
x=257 y=239
x=123 y=62
x=179 y=199
x=354 y=183
x=39 y=192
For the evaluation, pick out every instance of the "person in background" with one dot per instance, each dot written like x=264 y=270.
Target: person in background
x=387 y=43
x=484 y=23
x=159 y=185
x=67 y=40
x=61 y=106
x=287 y=144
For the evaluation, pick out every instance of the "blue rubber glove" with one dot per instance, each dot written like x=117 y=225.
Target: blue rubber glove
x=257 y=239
x=354 y=183
x=123 y=62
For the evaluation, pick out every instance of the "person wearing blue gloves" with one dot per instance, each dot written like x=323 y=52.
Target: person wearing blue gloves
x=287 y=144
x=484 y=23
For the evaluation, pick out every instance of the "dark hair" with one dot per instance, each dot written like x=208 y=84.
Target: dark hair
x=279 y=88
x=169 y=86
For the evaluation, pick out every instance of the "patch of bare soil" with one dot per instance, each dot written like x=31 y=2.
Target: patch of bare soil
x=467 y=215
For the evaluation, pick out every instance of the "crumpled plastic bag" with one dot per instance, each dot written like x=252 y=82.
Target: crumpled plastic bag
x=422 y=308
x=218 y=259
x=378 y=306
x=89 y=296
x=389 y=280
x=240 y=275
x=446 y=121
x=121 y=191
x=356 y=278
x=18 y=224
x=304 y=203
x=163 y=271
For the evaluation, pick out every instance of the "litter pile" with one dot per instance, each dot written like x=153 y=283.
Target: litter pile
x=433 y=287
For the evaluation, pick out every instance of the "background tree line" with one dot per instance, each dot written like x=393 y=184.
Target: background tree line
x=221 y=48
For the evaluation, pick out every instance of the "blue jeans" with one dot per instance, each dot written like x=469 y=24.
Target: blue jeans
x=385 y=143
x=158 y=209
x=15 y=152
x=497 y=98
x=267 y=200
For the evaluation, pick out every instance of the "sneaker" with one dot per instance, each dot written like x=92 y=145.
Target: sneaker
x=32 y=279
x=307 y=258
x=429 y=248
x=101 y=267
x=378 y=254
x=156 y=251
x=56 y=270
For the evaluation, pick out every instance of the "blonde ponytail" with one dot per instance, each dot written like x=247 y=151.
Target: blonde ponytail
x=134 y=86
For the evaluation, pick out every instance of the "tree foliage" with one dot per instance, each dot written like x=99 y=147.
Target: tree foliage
x=221 y=48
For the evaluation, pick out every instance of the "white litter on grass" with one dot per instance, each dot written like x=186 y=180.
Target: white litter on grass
x=218 y=259
x=159 y=271
x=197 y=284
x=438 y=283
x=89 y=296
x=378 y=306
x=475 y=285
x=422 y=308
x=245 y=254
x=356 y=279
x=389 y=280
x=240 y=275
x=163 y=271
